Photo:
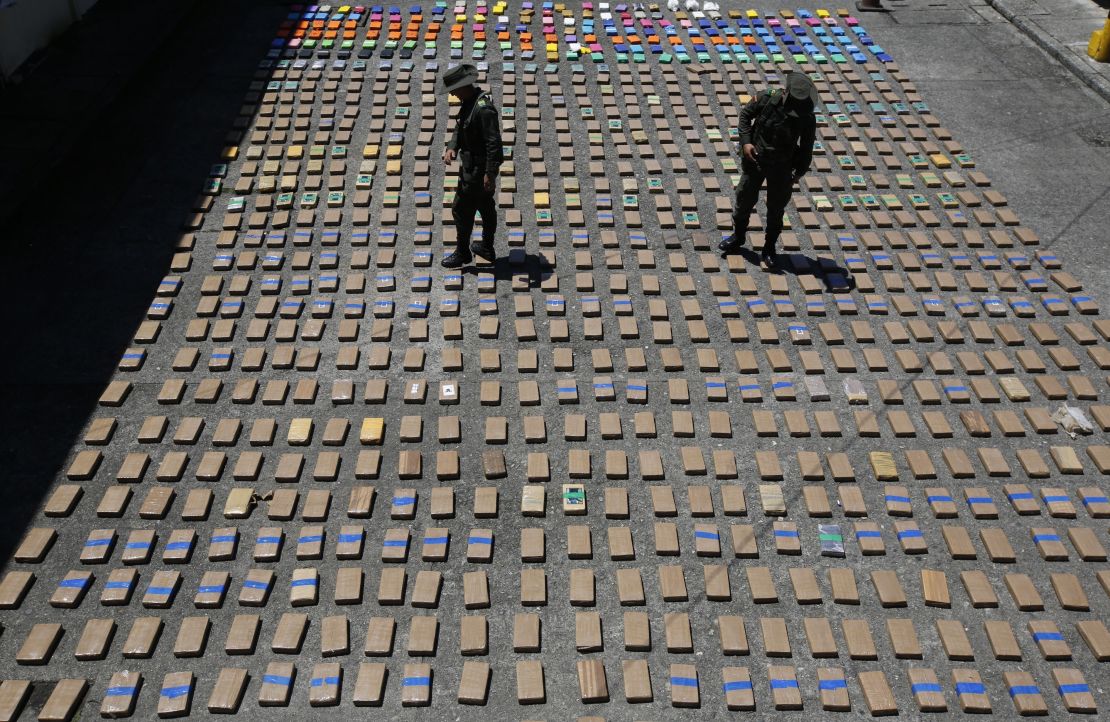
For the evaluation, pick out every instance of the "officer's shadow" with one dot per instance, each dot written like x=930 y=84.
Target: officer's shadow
x=835 y=277
x=514 y=264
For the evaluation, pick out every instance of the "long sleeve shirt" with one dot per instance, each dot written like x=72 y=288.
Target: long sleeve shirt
x=780 y=136
x=477 y=137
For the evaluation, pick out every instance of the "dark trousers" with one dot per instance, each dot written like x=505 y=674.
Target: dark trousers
x=471 y=198
x=780 y=184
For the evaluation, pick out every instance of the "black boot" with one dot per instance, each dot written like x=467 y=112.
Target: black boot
x=731 y=244
x=484 y=249
x=769 y=256
x=458 y=259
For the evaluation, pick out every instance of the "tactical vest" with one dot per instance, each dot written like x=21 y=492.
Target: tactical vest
x=774 y=134
x=472 y=162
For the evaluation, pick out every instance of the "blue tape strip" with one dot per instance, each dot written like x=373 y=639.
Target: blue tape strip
x=1023 y=689
x=1073 y=688
x=832 y=684
x=738 y=686
x=303 y=583
x=684 y=682
x=970 y=688
x=1047 y=637
x=784 y=684
x=119 y=692
x=276 y=679
x=175 y=692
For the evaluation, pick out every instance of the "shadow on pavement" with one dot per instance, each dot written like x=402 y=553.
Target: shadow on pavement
x=80 y=260
x=834 y=277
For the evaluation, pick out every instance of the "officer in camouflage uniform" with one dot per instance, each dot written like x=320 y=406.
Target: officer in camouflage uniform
x=777 y=130
x=476 y=142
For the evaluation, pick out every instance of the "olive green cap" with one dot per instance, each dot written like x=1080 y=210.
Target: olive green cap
x=800 y=87
x=459 y=77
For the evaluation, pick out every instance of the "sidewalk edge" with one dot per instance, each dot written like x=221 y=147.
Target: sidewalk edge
x=1057 y=50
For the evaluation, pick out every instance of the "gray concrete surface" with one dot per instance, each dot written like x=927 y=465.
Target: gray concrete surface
x=995 y=91
x=1062 y=28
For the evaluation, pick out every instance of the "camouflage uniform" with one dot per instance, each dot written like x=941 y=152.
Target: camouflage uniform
x=783 y=138
x=477 y=139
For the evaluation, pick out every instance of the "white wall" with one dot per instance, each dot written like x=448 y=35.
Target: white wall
x=27 y=25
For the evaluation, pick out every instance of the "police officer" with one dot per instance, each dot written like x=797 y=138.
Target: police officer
x=476 y=142
x=777 y=129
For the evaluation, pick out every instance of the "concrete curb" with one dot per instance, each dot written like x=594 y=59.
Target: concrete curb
x=1055 y=49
